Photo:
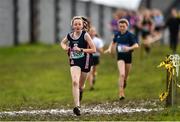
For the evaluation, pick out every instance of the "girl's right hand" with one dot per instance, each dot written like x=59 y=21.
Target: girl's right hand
x=67 y=48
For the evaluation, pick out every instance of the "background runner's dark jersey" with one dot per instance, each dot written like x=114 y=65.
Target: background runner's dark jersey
x=127 y=39
x=146 y=26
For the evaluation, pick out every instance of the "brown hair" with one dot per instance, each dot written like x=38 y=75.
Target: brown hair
x=123 y=20
x=86 y=23
x=76 y=17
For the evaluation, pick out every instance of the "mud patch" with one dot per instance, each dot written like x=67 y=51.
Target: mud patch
x=116 y=107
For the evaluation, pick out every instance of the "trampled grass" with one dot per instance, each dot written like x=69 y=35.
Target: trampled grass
x=37 y=77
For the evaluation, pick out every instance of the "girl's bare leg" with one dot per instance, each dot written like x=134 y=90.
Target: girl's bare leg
x=75 y=75
x=121 y=67
x=127 y=70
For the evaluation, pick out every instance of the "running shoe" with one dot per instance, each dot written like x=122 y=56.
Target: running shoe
x=76 y=111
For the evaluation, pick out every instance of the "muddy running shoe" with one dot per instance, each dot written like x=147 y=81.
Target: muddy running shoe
x=121 y=98
x=76 y=111
x=80 y=95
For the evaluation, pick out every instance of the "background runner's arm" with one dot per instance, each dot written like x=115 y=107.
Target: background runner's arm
x=110 y=48
x=100 y=50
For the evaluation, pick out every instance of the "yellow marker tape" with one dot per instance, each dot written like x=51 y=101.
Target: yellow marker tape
x=168 y=65
x=163 y=96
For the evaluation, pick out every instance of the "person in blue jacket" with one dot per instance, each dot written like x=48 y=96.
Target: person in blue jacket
x=125 y=42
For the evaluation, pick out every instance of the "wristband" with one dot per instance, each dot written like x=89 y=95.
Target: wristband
x=81 y=49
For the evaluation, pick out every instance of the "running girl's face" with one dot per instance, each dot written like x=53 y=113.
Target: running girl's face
x=123 y=27
x=77 y=25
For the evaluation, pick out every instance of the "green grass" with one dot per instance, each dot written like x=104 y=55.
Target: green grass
x=38 y=77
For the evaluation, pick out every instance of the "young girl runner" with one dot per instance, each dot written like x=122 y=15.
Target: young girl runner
x=125 y=43
x=98 y=42
x=79 y=45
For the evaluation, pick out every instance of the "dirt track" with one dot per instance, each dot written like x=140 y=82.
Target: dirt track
x=116 y=107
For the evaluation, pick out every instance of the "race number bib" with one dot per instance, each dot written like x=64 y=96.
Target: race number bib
x=120 y=48
x=76 y=54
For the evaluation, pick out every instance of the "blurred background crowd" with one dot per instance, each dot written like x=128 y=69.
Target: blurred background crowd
x=47 y=21
x=149 y=25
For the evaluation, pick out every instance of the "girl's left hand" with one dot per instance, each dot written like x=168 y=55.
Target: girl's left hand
x=126 y=48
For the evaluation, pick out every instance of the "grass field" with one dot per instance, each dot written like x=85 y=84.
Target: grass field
x=36 y=77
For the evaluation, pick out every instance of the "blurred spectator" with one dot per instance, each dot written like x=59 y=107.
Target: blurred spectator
x=116 y=16
x=147 y=27
x=133 y=19
x=173 y=23
x=159 y=23
x=114 y=27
